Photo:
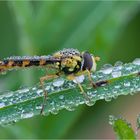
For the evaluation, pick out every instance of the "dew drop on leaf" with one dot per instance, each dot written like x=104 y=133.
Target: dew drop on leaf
x=58 y=82
x=2 y=104
x=61 y=97
x=127 y=84
x=89 y=103
x=27 y=115
x=79 y=79
x=107 y=69
x=116 y=74
x=107 y=98
x=111 y=119
x=54 y=111
x=47 y=87
x=118 y=66
x=39 y=91
x=136 y=61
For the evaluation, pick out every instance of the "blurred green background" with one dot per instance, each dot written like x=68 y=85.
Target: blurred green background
x=110 y=30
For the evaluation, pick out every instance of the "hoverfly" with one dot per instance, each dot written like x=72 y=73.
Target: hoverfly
x=69 y=62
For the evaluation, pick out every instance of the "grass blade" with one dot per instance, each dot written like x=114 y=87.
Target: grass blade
x=26 y=103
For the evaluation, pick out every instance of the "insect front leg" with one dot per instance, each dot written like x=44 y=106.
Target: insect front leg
x=42 y=79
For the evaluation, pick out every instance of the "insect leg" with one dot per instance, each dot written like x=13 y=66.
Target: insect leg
x=90 y=79
x=82 y=90
x=73 y=77
x=42 y=79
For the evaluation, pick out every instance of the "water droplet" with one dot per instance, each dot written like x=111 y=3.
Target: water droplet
x=136 y=61
x=23 y=90
x=89 y=93
x=116 y=74
x=79 y=79
x=111 y=119
x=54 y=111
x=27 y=115
x=101 y=97
x=138 y=122
x=117 y=86
x=128 y=68
x=58 y=82
x=9 y=94
x=2 y=104
x=34 y=88
x=61 y=97
x=52 y=103
x=70 y=108
x=107 y=98
x=127 y=84
x=118 y=65
x=132 y=93
x=3 y=72
x=89 y=103
x=115 y=96
x=38 y=107
x=106 y=69
x=47 y=87
x=39 y=91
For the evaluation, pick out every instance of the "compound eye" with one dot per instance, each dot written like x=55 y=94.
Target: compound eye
x=88 y=61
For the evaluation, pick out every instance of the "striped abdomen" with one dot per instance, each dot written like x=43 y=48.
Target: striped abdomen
x=17 y=62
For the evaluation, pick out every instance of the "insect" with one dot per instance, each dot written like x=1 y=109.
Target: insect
x=69 y=62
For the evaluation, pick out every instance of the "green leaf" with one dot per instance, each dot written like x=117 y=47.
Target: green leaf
x=63 y=94
x=122 y=128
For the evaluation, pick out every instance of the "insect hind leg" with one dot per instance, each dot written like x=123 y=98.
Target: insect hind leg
x=42 y=79
x=82 y=91
x=90 y=79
